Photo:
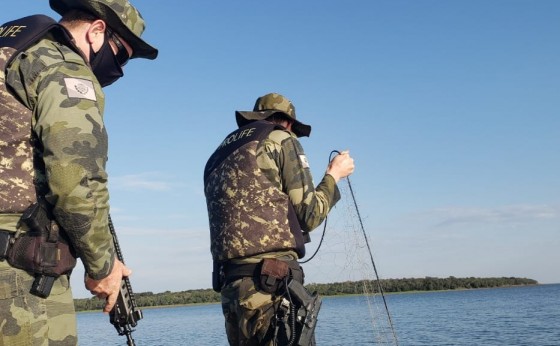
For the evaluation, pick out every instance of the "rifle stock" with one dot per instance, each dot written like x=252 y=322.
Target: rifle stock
x=125 y=314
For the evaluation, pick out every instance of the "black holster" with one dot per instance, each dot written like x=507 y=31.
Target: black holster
x=285 y=278
x=307 y=307
x=44 y=249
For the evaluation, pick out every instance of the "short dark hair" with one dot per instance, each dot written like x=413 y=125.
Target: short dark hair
x=74 y=16
x=279 y=117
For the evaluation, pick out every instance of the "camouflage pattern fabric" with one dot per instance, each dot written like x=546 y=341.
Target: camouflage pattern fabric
x=67 y=104
x=270 y=104
x=248 y=215
x=248 y=196
x=248 y=313
x=282 y=164
x=255 y=318
x=119 y=15
x=61 y=137
x=27 y=320
x=282 y=160
x=17 y=189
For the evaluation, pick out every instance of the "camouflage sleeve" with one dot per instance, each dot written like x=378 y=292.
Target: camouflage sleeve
x=287 y=166
x=68 y=103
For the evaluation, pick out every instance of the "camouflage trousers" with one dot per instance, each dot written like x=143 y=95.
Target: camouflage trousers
x=27 y=320
x=251 y=315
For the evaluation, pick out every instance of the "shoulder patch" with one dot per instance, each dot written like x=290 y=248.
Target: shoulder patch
x=304 y=161
x=80 y=88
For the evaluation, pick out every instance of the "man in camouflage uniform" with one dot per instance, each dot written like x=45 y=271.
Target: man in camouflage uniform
x=53 y=148
x=260 y=197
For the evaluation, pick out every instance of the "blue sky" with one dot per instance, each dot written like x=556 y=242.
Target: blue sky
x=449 y=108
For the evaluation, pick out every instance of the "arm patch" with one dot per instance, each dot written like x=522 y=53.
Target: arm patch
x=304 y=161
x=80 y=88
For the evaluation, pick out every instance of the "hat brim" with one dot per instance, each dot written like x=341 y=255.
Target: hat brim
x=141 y=49
x=245 y=117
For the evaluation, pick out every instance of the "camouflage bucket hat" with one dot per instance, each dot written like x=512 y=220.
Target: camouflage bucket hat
x=119 y=15
x=268 y=105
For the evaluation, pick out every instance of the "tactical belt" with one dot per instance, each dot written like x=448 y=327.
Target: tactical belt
x=234 y=272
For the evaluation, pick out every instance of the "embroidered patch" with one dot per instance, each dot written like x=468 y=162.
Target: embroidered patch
x=304 y=161
x=80 y=88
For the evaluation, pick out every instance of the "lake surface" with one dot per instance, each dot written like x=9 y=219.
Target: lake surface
x=502 y=316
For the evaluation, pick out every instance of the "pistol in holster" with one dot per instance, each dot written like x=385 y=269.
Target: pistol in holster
x=308 y=306
x=43 y=250
x=286 y=278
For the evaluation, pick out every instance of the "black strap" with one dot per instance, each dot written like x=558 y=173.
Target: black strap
x=22 y=33
x=234 y=272
x=254 y=131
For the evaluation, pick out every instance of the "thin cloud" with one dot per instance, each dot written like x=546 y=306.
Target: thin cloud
x=191 y=234
x=144 y=181
x=503 y=215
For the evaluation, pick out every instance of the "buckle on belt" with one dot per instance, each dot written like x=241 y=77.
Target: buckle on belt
x=5 y=238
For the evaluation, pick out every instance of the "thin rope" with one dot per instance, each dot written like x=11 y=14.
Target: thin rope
x=318 y=246
x=324 y=226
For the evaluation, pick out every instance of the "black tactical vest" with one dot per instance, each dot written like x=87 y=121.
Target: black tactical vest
x=18 y=187
x=248 y=215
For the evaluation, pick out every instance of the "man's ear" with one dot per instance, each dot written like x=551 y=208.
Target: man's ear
x=95 y=34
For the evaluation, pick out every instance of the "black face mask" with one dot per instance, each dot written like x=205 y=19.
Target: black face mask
x=105 y=65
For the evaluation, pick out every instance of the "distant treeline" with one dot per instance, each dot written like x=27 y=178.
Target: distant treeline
x=415 y=284
x=199 y=296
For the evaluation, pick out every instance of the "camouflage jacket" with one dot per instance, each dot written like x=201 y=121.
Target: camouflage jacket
x=69 y=144
x=282 y=160
x=250 y=191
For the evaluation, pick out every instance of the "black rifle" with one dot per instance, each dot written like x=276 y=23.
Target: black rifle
x=124 y=315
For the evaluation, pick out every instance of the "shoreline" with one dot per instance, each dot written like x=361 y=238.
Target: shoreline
x=336 y=296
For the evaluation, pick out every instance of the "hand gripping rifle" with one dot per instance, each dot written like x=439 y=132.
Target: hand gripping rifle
x=124 y=315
